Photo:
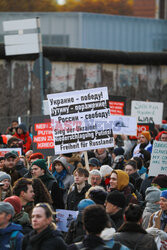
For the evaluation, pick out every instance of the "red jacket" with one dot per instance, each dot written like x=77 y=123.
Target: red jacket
x=26 y=140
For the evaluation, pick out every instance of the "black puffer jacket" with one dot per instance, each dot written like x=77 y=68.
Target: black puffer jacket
x=48 y=239
x=135 y=237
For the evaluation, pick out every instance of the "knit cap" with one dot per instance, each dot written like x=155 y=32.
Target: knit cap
x=41 y=163
x=161 y=180
x=146 y=135
x=94 y=162
x=152 y=194
x=105 y=170
x=15 y=202
x=85 y=203
x=36 y=156
x=118 y=151
x=164 y=194
x=98 y=196
x=116 y=198
x=4 y=176
x=6 y=207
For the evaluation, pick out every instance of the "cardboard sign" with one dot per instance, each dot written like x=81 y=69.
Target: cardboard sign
x=65 y=217
x=43 y=136
x=4 y=151
x=158 y=163
x=147 y=112
x=74 y=115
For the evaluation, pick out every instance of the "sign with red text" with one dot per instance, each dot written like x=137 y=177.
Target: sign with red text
x=74 y=117
x=116 y=108
x=43 y=136
x=4 y=151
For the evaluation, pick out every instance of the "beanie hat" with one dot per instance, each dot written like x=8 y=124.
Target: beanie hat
x=4 y=176
x=7 y=208
x=118 y=151
x=152 y=194
x=36 y=155
x=146 y=135
x=94 y=162
x=164 y=194
x=98 y=196
x=161 y=180
x=41 y=164
x=122 y=179
x=116 y=198
x=105 y=170
x=15 y=202
x=23 y=127
x=85 y=203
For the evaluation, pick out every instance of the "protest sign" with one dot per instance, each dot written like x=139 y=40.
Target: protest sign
x=3 y=151
x=43 y=136
x=147 y=112
x=158 y=163
x=73 y=117
x=117 y=105
x=65 y=217
x=122 y=125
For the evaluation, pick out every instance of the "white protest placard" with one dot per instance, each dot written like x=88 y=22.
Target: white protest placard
x=158 y=164
x=4 y=151
x=73 y=117
x=147 y=112
x=122 y=125
x=65 y=217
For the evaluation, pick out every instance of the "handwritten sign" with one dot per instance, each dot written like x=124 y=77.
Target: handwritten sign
x=147 y=112
x=74 y=115
x=158 y=163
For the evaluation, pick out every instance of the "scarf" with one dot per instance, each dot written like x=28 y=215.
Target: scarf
x=101 y=157
x=163 y=220
x=151 y=207
x=60 y=176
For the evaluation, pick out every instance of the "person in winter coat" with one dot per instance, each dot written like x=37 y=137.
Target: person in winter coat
x=40 y=170
x=6 y=189
x=79 y=189
x=152 y=198
x=20 y=217
x=118 y=158
x=144 y=143
x=115 y=204
x=103 y=156
x=159 y=218
x=131 y=233
x=61 y=172
x=23 y=134
x=76 y=231
x=10 y=168
x=95 y=220
x=120 y=181
x=44 y=235
x=131 y=170
x=10 y=233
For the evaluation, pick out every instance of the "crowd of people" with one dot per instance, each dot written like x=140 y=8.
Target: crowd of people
x=120 y=206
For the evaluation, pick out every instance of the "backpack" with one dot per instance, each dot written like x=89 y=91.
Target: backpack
x=13 y=238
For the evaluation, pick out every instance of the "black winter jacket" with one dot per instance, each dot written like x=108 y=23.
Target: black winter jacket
x=75 y=197
x=135 y=237
x=48 y=239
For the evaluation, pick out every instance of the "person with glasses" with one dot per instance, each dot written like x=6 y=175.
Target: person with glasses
x=44 y=234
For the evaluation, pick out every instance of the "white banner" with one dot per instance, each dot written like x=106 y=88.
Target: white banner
x=65 y=217
x=158 y=163
x=74 y=116
x=147 y=112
